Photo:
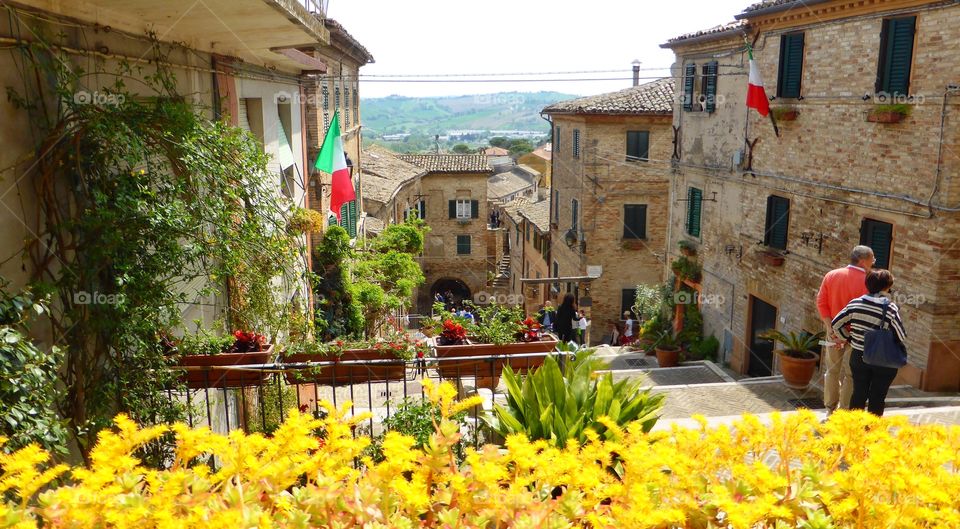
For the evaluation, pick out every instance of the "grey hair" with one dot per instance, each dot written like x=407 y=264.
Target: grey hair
x=860 y=253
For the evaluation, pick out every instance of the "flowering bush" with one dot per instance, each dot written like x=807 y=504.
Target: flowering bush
x=452 y=334
x=529 y=330
x=855 y=471
x=247 y=342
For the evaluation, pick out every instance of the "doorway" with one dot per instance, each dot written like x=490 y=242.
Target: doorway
x=763 y=317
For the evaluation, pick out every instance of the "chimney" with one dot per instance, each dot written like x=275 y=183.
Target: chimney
x=636 y=72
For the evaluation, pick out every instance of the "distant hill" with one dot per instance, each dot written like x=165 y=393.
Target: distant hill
x=437 y=115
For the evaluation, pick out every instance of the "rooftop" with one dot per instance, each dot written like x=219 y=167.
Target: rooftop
x=730 y=28
x=537 y=213
x=340 y=36
x=449 y=163
x=384 y=171
x=507 y=183
x=655 y=97
x=772 y=5
x=496 y=151
x=544 y=152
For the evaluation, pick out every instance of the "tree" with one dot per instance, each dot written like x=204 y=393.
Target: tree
x=499 y=141
x=339 y=313
x=462 y=148
x=519 y=147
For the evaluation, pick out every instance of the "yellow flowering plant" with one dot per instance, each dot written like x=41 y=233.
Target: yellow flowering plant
x=854 y=471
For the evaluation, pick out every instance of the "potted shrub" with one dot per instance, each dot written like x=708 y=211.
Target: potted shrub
x=304 y=220
x=688 y=248
x=889 y=113
x=668 y=349
x=648 y=306
x=385 y=359
x=786 y=113
x=499 y=331
x=686 y=269
x=797 y=361
x=203 y=354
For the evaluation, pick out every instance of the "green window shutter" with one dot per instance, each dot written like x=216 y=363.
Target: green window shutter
x=896 y=55
x=556 y=139
x=474 y=209
x=574 y=214
x=453 y=208
x=576 y=143
x=634 y=221
x=422 y=206
x=463 y=245
x=694 y=206
x=778 y=220
x=791 y=65
x=638 y=145
x=879 y=237
x=710 y=86
x=689 y=76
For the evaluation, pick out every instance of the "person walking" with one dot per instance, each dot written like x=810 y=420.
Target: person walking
x=582 y=324
x=546 y=316
x=868 y=312
x=628 y=324
x=566 y=314
x=838 y=288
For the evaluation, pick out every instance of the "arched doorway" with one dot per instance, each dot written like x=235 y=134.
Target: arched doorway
x=454 y=291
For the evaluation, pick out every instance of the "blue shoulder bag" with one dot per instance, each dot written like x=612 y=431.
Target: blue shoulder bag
x=881 y=347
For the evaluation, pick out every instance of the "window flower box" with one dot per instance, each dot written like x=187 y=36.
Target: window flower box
x=771 y=258
x=785 y=113
x=888 y=113
x=219 y=371
x=378 y=365
x=486 y=370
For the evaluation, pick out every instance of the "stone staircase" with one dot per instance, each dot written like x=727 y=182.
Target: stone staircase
x=501 y=278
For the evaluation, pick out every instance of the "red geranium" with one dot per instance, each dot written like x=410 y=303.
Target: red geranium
x=248 y=342
x=529 y=330
x=452 y=334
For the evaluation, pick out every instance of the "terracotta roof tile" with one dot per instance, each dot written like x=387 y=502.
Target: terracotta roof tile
x=651 y=98
x=449 y=163
x=383 y=171
x=729 y=27
x=496 y=151
x=538 y=213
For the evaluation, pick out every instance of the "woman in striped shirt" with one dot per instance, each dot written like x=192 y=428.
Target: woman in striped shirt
x=870 y=383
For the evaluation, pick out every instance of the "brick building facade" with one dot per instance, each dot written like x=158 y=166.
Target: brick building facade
x=776 y=213
x=610 y=168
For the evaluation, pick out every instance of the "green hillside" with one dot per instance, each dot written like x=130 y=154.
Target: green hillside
x=437 y=115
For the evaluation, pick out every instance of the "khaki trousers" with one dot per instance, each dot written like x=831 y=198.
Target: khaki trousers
x=837 y=378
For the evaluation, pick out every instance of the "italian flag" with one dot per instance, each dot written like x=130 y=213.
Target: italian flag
x=756 y=95
x=332 y=161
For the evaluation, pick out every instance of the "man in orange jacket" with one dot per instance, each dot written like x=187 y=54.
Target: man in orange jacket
x=837 y=289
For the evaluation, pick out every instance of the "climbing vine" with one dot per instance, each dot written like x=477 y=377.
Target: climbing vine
x=148 y=208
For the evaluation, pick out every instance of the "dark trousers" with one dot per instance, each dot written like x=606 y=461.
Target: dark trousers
x=870 y=384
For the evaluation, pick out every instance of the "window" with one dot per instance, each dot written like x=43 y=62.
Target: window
x=346 y=106
x=574 y=214
x=556 y=206
x=464 y=208
x=526 y=228
x=325 y=96
x=694 y=210
x=634 y=221
x=709 y=97
x=689 y=82
x=628 y=297
x=576 y=143
x=791 y=65
x=879 y=237
x=463 y=245
x=336 y=97
x=356 y=105
x=419 y=210
x=896 y=55
x=556 y=274
x=638 y=145
x=778 y=218
x=556 y=138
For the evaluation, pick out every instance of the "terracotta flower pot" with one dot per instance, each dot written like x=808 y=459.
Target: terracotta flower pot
x=668 y=356
x=771 y=259
x=885 y=117
x=485 y=370
x=797 y=372
x=204 y=372
x=387 y=367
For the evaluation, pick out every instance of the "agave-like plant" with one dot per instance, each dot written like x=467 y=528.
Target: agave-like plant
x=795 y=344
x=559 y=405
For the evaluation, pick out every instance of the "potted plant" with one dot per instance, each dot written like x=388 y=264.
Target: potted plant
x=668 y=349
x=499 y=331
x=686 y=269
x=785 y=113
x=210 y=360
x=357 y=361
x=771 y=258
x=797 y=361
x=648 y=306
x=304 y=220
x=687 y=248
x=889 y=113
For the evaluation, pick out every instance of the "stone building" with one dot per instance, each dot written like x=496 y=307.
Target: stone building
x=460 y=253
x=526 y=235
x=772 y=214
x=610 y=157
x=520 y=181
x=383 y=175
x=539 y=160
x=337 y=89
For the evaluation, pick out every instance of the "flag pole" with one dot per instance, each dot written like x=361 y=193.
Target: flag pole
x=773 y=120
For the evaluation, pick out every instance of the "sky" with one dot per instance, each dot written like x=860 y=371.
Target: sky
x=516 y=36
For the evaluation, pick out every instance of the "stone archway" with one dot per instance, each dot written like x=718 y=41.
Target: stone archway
x=453 y=290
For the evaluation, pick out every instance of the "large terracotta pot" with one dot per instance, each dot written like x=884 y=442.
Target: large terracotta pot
x=668 y=356
x=797 y=372
x=387 y=367
x=487 y=371
x=206 y=375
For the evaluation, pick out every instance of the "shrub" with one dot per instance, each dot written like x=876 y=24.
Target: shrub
x=559 y=406
x=854 y=471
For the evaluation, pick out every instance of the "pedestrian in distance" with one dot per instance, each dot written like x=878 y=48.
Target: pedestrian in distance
x=628 y=332
x=582 y=324
x=863 y=314
x=837 y=289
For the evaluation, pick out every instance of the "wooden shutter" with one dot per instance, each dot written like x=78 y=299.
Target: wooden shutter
x=791 y=65
x=778 y=220
x=574 y=214
x=879 y=237
x=694 y=205
x=634 y=221
x=556 y=139
x=576 y=143
x=474 y=209
x=689 y=76
x=896 y=55
x=422 y=208
x=453 y=208
x=638 y=144
x=710 y=86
